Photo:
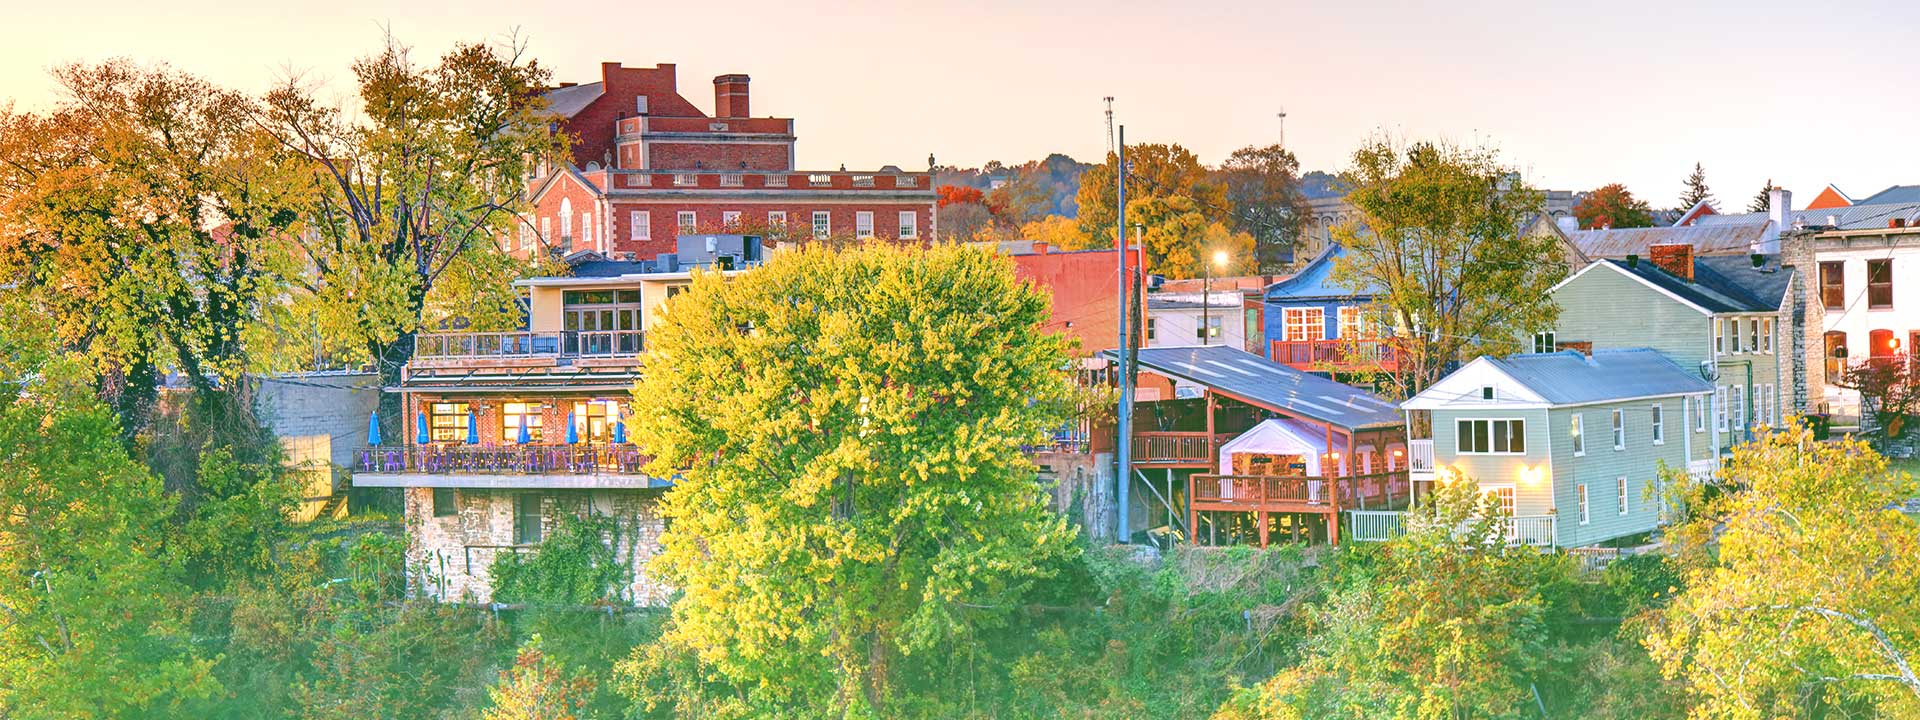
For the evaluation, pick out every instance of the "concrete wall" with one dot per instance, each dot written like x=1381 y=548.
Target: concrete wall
x=451 y=558
x=320 y=418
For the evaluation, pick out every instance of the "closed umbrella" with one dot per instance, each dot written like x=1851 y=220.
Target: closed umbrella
x=573 y=434
x=473 y=429
x=420 y=429
x=373 y=428
x=525 y=437
x=619 y=433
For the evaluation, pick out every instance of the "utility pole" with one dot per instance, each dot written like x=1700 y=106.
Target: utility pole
x=1123 y=448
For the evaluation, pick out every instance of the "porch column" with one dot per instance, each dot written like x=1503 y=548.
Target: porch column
x=1211 y=455
x=1333 y=520
x=1260 y=519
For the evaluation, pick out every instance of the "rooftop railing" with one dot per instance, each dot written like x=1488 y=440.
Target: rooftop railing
x=523 y=344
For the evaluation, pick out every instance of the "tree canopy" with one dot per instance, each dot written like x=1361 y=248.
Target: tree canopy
x=1263 y=189
x=852 y=498
x=1612 y=206
x=1802 y=590
x=1443 y=244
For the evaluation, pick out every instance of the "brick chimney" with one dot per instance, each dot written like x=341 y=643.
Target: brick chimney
x=1676 y=259
x=730 y=96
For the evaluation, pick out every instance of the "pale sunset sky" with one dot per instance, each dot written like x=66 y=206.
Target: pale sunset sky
x=1574 y=94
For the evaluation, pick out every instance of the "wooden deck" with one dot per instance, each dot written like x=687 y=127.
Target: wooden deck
x=1263 y=495
x=1177 y=449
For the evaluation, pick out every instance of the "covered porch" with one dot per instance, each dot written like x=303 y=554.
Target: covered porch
x=1249 y=451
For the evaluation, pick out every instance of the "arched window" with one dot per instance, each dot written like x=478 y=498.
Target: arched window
x=1882 y=346
x=1836 y=343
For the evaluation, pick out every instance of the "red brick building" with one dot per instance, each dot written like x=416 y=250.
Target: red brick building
x=648 y=166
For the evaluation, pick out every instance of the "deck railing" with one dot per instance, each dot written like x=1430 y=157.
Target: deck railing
x=1420 y=455
x=1259 y=491
x=1175 y=447
x=1530 y=530
x=502 y=459
x=1334 y=352
x=518 y=344
x=1375 y=525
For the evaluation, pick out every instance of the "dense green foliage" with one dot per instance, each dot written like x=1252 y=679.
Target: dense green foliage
x=576 y=566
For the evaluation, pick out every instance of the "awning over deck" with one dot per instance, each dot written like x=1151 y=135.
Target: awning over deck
x=1255 y=380
x=1279 y=437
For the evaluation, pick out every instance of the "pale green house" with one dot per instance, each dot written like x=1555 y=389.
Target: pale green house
x=1725 y=318
x=1572 y=444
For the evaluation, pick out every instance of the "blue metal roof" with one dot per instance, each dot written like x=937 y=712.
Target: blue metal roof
x=1570 y=378
x=1314 y=282
x=1263 y=382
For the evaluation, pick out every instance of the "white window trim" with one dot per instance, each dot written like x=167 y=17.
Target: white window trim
x=1585 y=515
x=730 y=219
x=1291 y=318
x=777 y=218
x=1490 y=421
x=1658 y=424
x=1619 y=429
x=642 y=229
x=681 y=225
x=863 y=224
x=1579 y=435
x=1720 y=407
x=822 y=232
x=1622 y=491
x=909 y=224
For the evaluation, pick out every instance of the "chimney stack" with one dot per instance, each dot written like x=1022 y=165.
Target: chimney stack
x=1675 y=258
x=730 y=96
x=1780 y=211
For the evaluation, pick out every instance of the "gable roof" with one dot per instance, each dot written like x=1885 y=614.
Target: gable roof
x=1708 y=235
x=1571 y=378
x=1859 y=216
x=1314 y=282
x=569 y=101
x=1721 y=284
x=1259 y=381
x=1894 y=194
x=1831 y=197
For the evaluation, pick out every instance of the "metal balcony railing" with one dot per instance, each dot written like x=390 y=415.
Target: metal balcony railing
x=454 y=459
x=565 y=343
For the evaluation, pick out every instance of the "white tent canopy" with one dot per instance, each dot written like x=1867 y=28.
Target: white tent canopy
x=1279 y=437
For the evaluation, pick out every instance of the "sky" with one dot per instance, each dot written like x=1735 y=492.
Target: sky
x=1575 y=95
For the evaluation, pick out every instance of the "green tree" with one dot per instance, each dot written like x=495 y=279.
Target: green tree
x=410 y=199
x=92 y=603
x=1696 y=190
x=1180 y=239
x=1263 y=188
x=852 y=497
x=1443 y=245
x=147 y=214
x=1612 y=206
x=536 y=688
x=1802 y=593
x=1762 y=201
x=1156 y=171
x=1447 y=621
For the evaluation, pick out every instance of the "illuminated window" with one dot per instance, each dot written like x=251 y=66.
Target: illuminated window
x=515 y=414
x=1301 y=324
x=447 y=422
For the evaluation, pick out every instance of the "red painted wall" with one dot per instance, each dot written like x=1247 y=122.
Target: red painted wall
x=1084 y=287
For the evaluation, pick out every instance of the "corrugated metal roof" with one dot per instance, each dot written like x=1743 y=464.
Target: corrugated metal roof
x=1706 y=239
x=1894 y=194
x=1262 y=381
x=1570 y=378
x=569 y=101
x=1864 y=216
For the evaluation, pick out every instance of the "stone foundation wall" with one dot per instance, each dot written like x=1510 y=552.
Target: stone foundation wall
x=450 y=558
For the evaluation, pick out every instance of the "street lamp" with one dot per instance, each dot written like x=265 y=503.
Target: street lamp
x=1206 y=296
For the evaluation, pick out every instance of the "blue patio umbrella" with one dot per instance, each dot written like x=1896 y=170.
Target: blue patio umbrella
x=619 y=433
x=473 y=430
x=420 y=429
x=573 y=434
x=373 y=428
x=524 y=437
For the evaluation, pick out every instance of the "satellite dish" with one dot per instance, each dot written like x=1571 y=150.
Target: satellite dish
x=1709 y=371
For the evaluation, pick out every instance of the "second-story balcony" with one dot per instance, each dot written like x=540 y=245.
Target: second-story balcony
x=1336 y=354
x=552 y=346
